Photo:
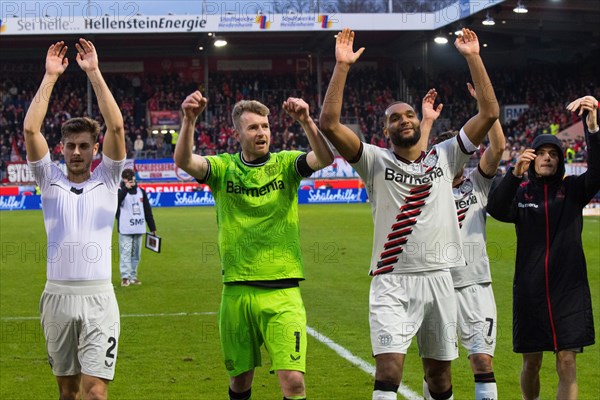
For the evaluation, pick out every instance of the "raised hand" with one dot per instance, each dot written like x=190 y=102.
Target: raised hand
x=523 y=162
x=467 y=44
x=427 y=106
x=297 y=109
x=87 y=58
x=56 y=62
x=193 y=105
x=343 y=47
x=590 y=104
x=583 y=103
x=471 y=90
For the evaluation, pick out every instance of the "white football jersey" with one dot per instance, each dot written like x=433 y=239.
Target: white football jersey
x=470 y=199
x=415 y=227
x=79 y=219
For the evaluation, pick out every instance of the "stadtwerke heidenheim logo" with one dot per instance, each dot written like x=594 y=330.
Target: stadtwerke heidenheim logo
x=262 y=22
x=324 y=21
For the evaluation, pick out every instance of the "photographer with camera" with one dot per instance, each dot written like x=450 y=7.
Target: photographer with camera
x=133 y=213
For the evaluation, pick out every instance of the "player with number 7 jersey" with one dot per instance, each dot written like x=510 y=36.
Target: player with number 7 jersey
x=416 y=239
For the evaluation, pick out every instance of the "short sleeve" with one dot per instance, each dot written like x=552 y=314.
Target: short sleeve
x=109 y=172
x=367 y=158
x=45 y=172
x=214 y=172
x=484 y=184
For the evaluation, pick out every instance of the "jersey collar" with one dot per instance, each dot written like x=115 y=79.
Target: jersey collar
x=256 y=163
x=405 y=161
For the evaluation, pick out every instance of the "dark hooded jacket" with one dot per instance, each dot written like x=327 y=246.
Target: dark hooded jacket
x=552 y=308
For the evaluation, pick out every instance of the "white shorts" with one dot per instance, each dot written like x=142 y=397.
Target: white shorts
x=477 y=318
x=80 y=321
x=421 y=305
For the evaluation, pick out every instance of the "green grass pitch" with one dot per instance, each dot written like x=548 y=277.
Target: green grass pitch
x=169 y=347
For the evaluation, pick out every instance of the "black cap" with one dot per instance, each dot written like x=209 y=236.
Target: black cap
x=541 y=140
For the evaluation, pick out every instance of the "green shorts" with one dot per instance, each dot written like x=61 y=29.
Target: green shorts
x=250 y=316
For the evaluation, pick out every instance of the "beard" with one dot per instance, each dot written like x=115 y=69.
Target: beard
x=404 y=141
x=80 y=169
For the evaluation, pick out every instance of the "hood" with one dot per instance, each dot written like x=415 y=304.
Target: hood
x=538 y=142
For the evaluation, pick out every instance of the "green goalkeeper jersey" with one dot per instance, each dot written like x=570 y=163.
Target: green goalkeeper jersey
x=257 y=216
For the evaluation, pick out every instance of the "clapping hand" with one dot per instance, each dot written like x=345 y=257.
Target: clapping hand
x=523 y=162
x=56 y=62
x=467 y=43
x=87 y=58
x=343 y=47
x=429 y=112
x=586 y=103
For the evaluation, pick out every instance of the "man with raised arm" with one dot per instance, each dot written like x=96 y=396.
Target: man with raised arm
x=416 y=236
x=552 y=304
x=79 y=311
x=256 y=195
x=477 y=320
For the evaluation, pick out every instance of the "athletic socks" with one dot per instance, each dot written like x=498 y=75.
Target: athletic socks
x=246 y=396
x=429 y=395
x=385 y=391
x=426 y=394
x=381 y=395
x=240 y=396
x=485 y=387
x=447 y=395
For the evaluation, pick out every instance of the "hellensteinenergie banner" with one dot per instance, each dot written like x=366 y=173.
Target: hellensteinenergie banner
x=110 y=17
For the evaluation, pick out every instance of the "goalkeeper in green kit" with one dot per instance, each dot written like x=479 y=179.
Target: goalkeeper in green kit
x=256 y=196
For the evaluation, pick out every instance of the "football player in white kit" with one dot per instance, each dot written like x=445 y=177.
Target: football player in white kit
x=477 y=320
x=416 y=237
x=79 y=311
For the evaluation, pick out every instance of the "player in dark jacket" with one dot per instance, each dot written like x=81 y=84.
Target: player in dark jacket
x=552 y=308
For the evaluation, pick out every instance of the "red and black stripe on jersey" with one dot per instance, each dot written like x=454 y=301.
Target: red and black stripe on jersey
x=400 y=230
x=461 y=214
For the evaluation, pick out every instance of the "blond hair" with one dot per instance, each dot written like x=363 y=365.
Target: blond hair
x=253 y=106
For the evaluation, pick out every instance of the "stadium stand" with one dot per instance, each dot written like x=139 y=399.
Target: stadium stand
x=369 y=92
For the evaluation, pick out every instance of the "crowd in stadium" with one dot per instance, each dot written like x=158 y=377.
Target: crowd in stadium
x=367 y=94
